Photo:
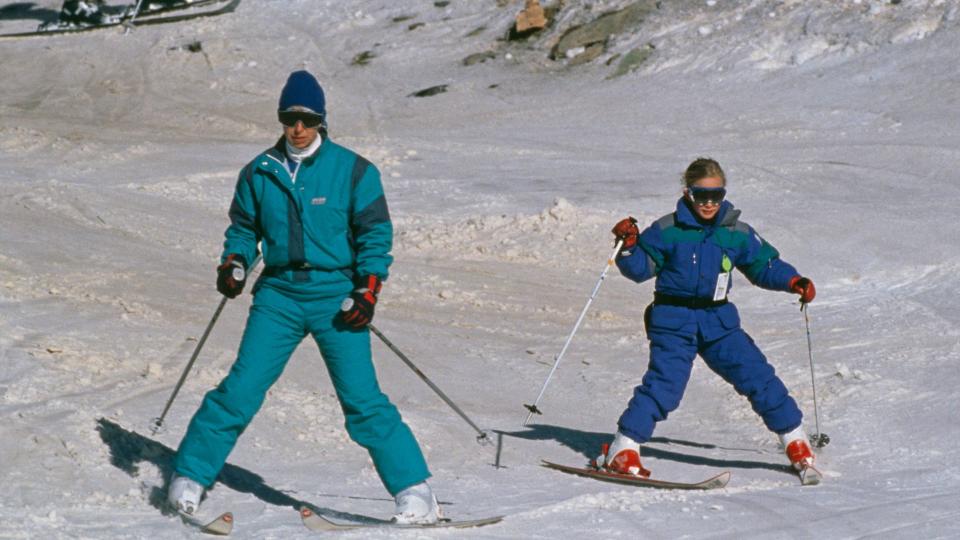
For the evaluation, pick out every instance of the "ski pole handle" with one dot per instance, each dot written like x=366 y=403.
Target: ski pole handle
x=533 y=408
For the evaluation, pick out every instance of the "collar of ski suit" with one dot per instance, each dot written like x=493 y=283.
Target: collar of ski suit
x=726 y=217
x=279 y=150
x=273 y=161
x=299 y=154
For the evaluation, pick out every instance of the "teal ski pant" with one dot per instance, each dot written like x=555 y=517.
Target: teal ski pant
x=276 y=325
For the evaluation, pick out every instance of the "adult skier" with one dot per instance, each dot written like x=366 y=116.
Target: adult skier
x=692 y=253
x=319 y=212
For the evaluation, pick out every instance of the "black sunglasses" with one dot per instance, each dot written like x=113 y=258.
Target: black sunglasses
x=309 y=120
x=704 y=196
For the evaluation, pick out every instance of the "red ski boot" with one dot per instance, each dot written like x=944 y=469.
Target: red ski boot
x=801 y=456
x=623 y=457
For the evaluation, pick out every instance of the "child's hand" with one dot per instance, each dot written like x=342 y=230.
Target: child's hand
x=626 y=230
x=804 y=287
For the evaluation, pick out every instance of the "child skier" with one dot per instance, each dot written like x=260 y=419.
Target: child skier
x=692 y=253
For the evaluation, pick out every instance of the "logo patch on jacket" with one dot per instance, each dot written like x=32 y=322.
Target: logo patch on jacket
x=317 y=201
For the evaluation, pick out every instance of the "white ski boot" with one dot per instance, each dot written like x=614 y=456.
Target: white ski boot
x=417 y=505
x=623 y=457
x=184 y=494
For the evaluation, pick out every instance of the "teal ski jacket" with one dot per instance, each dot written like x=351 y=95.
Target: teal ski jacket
x=319 y=227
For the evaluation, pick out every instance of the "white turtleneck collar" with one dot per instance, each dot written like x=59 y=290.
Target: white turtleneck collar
x=296 y=155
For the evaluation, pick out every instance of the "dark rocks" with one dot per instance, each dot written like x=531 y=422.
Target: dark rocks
x=632 y=60
x=584 y=38
x=432 y=91
x=478 y=58
x=363 y=58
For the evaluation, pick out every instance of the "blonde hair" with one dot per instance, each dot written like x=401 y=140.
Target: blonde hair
x=703 y=168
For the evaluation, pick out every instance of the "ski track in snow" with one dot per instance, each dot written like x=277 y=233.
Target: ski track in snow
x=121 y=152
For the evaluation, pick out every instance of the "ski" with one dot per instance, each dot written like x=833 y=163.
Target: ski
x=145 y=18
x=316 y=522
x=221 y=526
x=715 y=482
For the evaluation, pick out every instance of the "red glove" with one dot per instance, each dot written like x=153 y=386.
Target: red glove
x=232 y=275
x=804 y=287
x=364 y=298
x=626 y=230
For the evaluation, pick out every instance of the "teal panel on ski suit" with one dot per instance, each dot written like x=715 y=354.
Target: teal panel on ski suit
x=327 y=223
x=318 y=228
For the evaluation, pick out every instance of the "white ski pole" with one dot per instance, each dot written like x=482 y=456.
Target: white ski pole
x=533 y=408
x=820 y=439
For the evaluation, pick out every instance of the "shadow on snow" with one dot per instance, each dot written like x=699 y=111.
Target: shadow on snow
x=128 y=449
x=588 y=444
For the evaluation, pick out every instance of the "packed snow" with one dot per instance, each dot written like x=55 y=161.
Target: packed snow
x=836 y=122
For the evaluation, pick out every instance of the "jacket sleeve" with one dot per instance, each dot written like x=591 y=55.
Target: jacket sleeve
x=644 y=260
x=243 y=234
x=370 y=224
x=760 y=262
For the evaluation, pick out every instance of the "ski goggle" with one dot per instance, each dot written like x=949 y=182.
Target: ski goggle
x=309 y=120
x=704 y=196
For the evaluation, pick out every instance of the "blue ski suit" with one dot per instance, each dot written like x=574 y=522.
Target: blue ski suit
x=319 y=224
x=692 y=262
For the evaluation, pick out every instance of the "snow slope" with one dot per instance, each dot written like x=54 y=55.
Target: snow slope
x=836 y=123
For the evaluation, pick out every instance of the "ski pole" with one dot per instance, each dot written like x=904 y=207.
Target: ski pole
x=482 y=436
x=820 y=439
x=158 y=422
x=533 y=408
x=128 y=24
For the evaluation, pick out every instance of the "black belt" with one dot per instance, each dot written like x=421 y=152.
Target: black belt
x=662 y=299
x=295 y=267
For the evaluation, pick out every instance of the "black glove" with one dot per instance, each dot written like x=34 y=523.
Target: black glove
x=232 y=275
x=357 y=311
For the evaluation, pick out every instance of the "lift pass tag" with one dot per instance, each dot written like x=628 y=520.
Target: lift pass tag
x=723 y=279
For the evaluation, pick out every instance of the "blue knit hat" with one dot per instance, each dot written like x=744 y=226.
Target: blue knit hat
x=303 y=90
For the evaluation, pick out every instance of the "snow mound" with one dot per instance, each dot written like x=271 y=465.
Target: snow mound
x=555 y=234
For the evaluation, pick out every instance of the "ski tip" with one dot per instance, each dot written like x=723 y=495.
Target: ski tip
x=222 y=526
x=305 y=512
x=717 y=482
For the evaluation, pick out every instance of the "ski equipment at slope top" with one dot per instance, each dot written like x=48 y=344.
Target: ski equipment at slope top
x=143 y=20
